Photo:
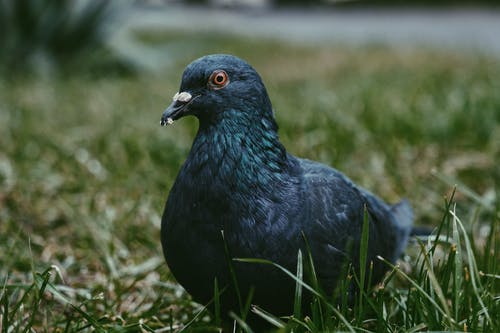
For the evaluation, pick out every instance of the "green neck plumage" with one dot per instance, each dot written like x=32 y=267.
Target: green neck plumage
x=241 y=153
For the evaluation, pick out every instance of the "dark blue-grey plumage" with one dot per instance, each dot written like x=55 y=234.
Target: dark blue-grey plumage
x=239 y=179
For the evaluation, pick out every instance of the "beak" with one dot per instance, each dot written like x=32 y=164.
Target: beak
x=177 y=109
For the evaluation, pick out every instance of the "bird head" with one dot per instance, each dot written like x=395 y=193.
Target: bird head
x=218 y=86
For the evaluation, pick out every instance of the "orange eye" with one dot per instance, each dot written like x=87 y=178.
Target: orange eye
x=218 y=79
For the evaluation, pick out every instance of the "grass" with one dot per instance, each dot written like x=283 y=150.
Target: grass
x=85 y=169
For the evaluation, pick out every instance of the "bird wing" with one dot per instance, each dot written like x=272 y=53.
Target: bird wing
x=335 y=214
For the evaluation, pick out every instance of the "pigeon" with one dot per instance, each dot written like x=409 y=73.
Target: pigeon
x=240 y=194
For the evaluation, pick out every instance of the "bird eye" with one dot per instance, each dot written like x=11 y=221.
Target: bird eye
x=218 y=79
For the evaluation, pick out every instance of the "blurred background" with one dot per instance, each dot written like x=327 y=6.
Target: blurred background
x=402 y=96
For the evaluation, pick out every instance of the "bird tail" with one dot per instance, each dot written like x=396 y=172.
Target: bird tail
x=403 y=213
x=421 y=231
x=403 y=220
x=404 y=216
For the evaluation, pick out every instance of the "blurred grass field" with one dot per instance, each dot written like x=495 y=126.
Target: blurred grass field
x=85 y=169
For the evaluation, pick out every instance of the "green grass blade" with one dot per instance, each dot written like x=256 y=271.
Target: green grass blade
x=5 y=312
x=232 y=273
x=436 y=286
x=287 y=272
x=314 y=277
x=217 y=303
x=41 y=281
x=444 y=220
x=390 y=276
x=494 y=276
x=419 y=328
x=243 y=325
x=415 y=284
x=193 y=320
x=363 y=253
x=473 y=271
x=248 y=303
x=317 y=304
x=492 y=248
x=22 y=301
x=269 y=317
x=303 y=324
x=94 y=323
x=297 y=306
x=459 y=270
x=303 y=284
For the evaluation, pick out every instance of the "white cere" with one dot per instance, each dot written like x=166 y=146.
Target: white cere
x=183 y=97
